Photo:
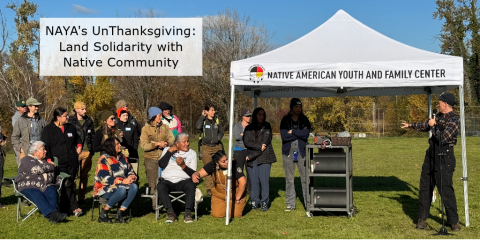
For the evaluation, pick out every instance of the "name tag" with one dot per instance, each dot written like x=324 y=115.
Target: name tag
x=69 y=134
x=207 y=126
x=128 y=129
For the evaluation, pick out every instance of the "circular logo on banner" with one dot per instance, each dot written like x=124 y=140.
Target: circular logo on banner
x=256 y=73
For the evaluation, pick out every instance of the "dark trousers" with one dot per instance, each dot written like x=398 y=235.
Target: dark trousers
x=260 y=177
x=240 y=157
x=68 y=198
x=430 y=177
x=164 y=187
x=45 y=201
x=2 y=164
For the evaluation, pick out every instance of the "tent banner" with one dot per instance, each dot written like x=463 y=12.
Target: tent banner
x=377 y=74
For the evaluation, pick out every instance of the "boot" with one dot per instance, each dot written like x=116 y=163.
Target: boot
x=57 y=217
x=119 y=218
x=104 y=217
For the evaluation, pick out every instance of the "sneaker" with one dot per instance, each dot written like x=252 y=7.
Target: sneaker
x=421 y=224
x=188 y=218
x=254 y=206
x=264 y=207
x=170 y=217
x=288 y=209
x=456 y=226
x=78 y=212
x=25 y=203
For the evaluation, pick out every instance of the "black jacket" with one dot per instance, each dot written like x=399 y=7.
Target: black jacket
x=85 y=132
x=131 y=119
x=131 y=137
x=212 y=131
x=62 y=145
x=254 y=144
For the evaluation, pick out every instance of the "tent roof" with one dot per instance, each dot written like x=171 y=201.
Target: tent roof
x=343 y=52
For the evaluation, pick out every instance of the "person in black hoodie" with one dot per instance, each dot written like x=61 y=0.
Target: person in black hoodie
x=62 y=141
x=131 y=139
x=212 y=134
x=257 y=138
x=86 y=132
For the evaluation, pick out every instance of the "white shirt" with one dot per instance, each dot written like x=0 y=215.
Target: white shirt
x=175 y=173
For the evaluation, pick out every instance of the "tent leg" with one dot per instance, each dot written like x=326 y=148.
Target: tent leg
x=230 y=153
x=429 y=111
x=254 y=101
x=464 y=155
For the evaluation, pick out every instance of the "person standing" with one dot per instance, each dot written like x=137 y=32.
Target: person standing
x=169 y=119
x=258 y=141
x=439 y=163
x=3 y=141
x=294 y=130
x=239 y=150
x=21 y=109
x=122 y=105
x=212 y=134
x=27 y=129
x=62 y=141
x=86 y=132
x=154 y=138
x=131 y=139
x=106 y=130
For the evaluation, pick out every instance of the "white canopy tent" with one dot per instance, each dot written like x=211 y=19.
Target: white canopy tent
x=344 y=57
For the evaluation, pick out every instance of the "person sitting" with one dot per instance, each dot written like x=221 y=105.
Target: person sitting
x=178 y=163
x=218 y=167
x=113 y=180
x=35 y=180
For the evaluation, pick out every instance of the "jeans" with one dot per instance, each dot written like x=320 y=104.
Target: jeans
x=45 y=201
x=259 y=176
x=121 y=193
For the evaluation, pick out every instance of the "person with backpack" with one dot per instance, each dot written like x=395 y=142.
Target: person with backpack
x=212 y=134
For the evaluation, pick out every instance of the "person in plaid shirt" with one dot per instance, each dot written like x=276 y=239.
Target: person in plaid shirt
x=444 y=126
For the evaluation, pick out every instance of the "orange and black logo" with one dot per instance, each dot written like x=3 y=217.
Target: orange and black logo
x=256 y=73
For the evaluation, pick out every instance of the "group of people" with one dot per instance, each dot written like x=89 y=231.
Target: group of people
x=73 y=140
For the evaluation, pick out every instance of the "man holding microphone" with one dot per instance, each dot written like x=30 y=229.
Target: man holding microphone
x=445 y=126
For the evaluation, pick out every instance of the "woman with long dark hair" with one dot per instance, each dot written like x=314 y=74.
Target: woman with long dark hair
x=218 y=168
x=62 y=141
x=106 y=130
x=258 y=141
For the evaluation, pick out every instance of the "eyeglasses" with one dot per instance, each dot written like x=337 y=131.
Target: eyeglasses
x=112 y=118
x=66 y=116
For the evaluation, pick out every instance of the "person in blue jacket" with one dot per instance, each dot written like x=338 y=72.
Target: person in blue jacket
x=294 y=130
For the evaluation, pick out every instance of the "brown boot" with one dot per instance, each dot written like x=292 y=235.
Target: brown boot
x=456 y=226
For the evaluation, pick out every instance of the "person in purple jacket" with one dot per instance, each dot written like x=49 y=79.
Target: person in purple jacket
x=294 y=130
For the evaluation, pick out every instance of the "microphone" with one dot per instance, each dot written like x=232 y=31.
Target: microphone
x=434 y=113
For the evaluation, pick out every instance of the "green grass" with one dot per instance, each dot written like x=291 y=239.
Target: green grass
x=385 y=184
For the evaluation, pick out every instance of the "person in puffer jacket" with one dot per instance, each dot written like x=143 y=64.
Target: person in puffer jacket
x=169 y=119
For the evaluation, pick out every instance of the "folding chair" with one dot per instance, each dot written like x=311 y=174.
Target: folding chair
x=174 y=196
x=103 y=201
x=19 y=195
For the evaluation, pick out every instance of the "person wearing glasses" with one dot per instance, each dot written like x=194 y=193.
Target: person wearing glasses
x=62 y=141
x=240 y=152
x=105 y=131
x=27 y=129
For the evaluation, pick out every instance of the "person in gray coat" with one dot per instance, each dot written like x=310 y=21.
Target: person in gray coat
x=21 y=109
x=258 y=141
x=240 y=152
x=28 y=129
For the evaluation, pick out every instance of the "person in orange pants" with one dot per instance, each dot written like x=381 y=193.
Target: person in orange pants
x=217 y=168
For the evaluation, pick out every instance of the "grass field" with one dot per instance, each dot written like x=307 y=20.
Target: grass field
x=386 y=177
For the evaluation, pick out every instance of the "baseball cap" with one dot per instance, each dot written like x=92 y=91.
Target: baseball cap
x=246 y=113
x=32 y=101
x=21 y=103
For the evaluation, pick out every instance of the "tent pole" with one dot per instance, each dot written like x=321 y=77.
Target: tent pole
x=230 y=153
x=254 y=101
x=429 y=111
x=464 y=155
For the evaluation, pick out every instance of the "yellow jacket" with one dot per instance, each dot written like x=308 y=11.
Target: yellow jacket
x=150 y=135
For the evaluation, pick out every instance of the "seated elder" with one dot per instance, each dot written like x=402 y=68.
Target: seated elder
x=218 y=168
x=36 y=180
x=178 y=163
x=114 y=180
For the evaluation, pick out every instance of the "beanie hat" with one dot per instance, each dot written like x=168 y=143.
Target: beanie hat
x=165 y=106
x=294 y=102
x=120 y=104
x=120 y=111
x=78 y=105
x=153 y=111
x=104 y=115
